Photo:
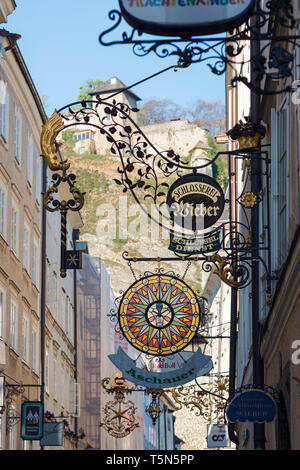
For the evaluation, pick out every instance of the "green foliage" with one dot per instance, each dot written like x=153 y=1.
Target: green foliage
x=86 y=88
x=68 y=143
x=218 y=166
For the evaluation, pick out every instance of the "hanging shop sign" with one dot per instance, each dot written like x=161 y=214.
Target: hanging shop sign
x=217 y=436
x=73 y=259
x=185 y=17
x=53 y=434
x=195 y=202
x=32 y=416
x=189 y=246
x=197 y=366
x=253 y=406
x=159 y=314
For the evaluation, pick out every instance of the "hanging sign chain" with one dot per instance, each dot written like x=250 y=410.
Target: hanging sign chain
x=132 y=271
x=186 y=269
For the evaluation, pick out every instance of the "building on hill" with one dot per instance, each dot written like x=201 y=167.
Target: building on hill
x=84 y=138
x=106 y=91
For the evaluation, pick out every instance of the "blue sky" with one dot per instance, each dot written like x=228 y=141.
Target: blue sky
x=61 y=49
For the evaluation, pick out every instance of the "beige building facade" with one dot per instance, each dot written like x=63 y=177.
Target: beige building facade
x=278 y=309
x=21 y=118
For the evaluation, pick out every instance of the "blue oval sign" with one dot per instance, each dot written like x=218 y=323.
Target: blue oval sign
x=185 y=17
x=253 y=406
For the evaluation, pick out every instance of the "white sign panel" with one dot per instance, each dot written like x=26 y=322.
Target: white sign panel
x=172 y=17
x=217 y=436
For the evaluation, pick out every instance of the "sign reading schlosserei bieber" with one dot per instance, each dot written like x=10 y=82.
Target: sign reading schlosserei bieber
x=185 y=17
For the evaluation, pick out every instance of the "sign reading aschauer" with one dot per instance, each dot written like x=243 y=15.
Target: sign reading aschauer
x=185 y=17
x=196 y=202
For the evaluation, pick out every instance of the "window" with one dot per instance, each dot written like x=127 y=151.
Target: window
x=13 y=325
x=14 y=229
x=2 y=303
x=34 y=263
x=47 y=371
x=4 y=111
x=29 y=166
x=18 y=135
x=67 y=315
x=25 y=330
x=34 y=351
x=54 y=378
x=91 y=345
x=38 y=180
x=26 y=247
x=3 y=195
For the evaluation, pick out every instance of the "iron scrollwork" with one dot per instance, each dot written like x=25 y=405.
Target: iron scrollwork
x=266 y=23
x=70 y=259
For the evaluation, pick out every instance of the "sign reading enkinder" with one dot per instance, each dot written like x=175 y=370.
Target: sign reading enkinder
x=197 y=16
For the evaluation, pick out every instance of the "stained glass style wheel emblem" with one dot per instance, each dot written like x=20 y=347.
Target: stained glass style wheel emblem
x=159 y=314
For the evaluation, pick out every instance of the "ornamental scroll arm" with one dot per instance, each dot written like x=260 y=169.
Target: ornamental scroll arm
x=50 y=131
x=235 y=273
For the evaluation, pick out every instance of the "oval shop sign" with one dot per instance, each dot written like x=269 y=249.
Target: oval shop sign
x=185 y=17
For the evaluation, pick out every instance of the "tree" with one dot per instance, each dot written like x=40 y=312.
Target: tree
x=210 y=115
x=158 y=111
x=86 y=88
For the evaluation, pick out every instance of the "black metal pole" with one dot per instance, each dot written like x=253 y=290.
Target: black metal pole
x=232 y=358
x=258 y=372
x=63 y=245
x=75 y=236
x=43 y=284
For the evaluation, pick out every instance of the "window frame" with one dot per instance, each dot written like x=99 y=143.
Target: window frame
x=18 y=125
x=13 y=322
x=14 y=238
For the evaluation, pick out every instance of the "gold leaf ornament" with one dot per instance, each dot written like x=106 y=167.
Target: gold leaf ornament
x=248 y=200
x=50 y=131
x=225 y=272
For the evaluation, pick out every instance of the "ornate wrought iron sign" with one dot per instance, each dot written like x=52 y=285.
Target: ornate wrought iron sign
x=185 y=17
x=70 y=259
x=159 y=314
x=195 y=201
x=119 y=414
x=197 y=365
x=181 y=27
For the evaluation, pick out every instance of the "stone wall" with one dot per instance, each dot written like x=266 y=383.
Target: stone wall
x=178 y=135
